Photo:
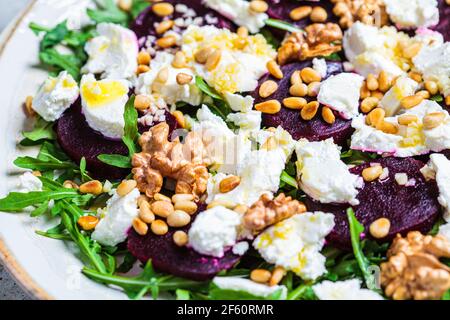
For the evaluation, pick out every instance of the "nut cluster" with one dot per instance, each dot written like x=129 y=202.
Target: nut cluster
x=372 y=12
x=264 y=276
x=413 y=270
x=319 y=39
x=267 y=211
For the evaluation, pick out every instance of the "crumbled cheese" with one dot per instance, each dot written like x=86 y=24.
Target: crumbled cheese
x=401 y=178
x=444 y=230
x=441 y=166
x=320 y=65
x=241 y=248
x=55 y=96
x=119 y=214
x=239 y=12
x=384 y=174
x=322 y=174
x=344 y=290
x=246 y=121
x=403 y=87
x=413 y=13
x=239 y=103
x=214 y=231
x=341 y=93
x=295 y=243
x=113 y=53
x=28 y=183
x=255 y=289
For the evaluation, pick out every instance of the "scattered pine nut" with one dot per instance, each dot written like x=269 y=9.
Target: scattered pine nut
x=372 y=82
x=433 y=120
x=294 y=103
x=368 y=104
x=274 y=69
x=213 y=60
x=163 y=9
x=88 y=223
x=166 y=42
x=380 y=228
x=144 y=58
x=140 y=226
x=431 y=87
x=184 y=78
x=182 y=197
x=318 y=14
x=160 y=197
x=375 y=117
x=180 y=238
x=260 y=275
x=202 y=55
x=411 y=101
x=310 y=75
x=142 y=69
x=270 y=106
x=162 y=208
x=372 y=173
x=164 y=26
x=407 y=119
x=258 y=6
x=187 y=206
x=145 y=213
x=268 y=88
x=125 y=187
x=181 y=120
x=310 y=110
x=159 y=227
x=178 y=219
x=228 y=184
x=277 y=275
x=94 y=187
x=142 y=102
x=300 y=13
x=328 y=115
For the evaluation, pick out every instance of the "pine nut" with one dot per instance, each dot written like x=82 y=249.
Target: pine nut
x=380 y=228
x=328 y=115
x=161 y=197
x=159 y=227
x=144 y=58
x=88 y=223
x=431 y=87
x=202 y=55
x=387 y=127
x=310 y=75
x=310 y=110
x=94 y=187
x=375 y=117
x=340 y=8
x=125 y=187
x=372 y=82
x=377 y=94
x=221 y=203
x=213 y=60
x=364 y=92
x=162 y=208
x=69 y=184
x=415 y=76
x=260 y=275
x=384 y=84
x=242 y=32
x=313 y=89
x=277 y=275
x=296 y=77
x=412 y=50
x=180 y=238
x=242 y=209
x=300 y=13
x=274 y=69
x=182 y=197
x=125 y=5
x=298 y=90
x=163 y=9
x=423 y=93
x=142 y=102
x=258 y=6
x=318 y=14
x=145 y=213
x=141 y=199
x=36 y=173
x=411 y=101
x=228 y=184
x=184 y=78
x=190 y=207
x=29 y=107
x=142 y=69
x=140 y=226
x=433 y=120
x=270 y=144
x=407 y=119
x=178 y=219
x=179 y=61
x=294 y=103
x=270 y=106
x=163 y=75
x=268 y=88
x=178 y=115
x=166 y=42
x=447 y=100
x=164 y=26
x=372 y=173
x=368 y=104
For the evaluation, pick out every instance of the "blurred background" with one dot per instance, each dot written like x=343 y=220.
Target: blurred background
x=9 y=289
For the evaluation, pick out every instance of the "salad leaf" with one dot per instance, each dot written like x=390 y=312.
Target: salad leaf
x=183 y=294
x=127 y=263
x=115 y=160
x=302 y=292
x=205 y=88
x=333 y=57
x=51 y=151
x=40 y=210
x=84 y=176
x=437 y=98
x=357 y=157
x=16 y=201
x=54 y=36
x=217 y=293
x=131 y=133
x=289 y=180
x=42 y=165
x=108 y=11
x=270 y=38
x=42 y=130
x=282 y=25
x=137 y=7
x=69 y=62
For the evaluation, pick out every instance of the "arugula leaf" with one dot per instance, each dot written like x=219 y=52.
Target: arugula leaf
x=116 y=160
x=127 y=263
x=302 y=292
x=183 y=294
x=42 y=130
x=40 y=210
x=217 y=293
x=37 y=29
x=289 y=180
x=69 y=62
x=84 y=176
x=333 y=57
x=42 y=165
x=437 y=98
x=16 y=201
x=54 y=36
x=108 y=12
x=51 y=151
x=205 y=88
x=131 y=133
x=357 y=157
x=270 y=38
x=137 y=7
x=282 y=25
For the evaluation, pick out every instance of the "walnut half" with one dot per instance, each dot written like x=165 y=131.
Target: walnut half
x=184 y=162
x=372 y=12
x=267 y=211
x=413 y=270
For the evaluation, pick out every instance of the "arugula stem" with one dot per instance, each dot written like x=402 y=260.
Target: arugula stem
x=298 y=292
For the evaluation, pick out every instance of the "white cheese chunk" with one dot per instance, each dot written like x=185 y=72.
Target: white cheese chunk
x=239 y=12
x=320 y=65
x=55 y=96
x=238 y=102
x=28 y=183
x=413 y=13
x=341 y=93
x=245 y=285
x=441 y=166
x=295 y=243
x=241 y=248
x=246 y=120
x=214 y=231
x=403 y=87
x=119 y=214
x=344 y=290
x=113 y=53
x=444 y=230
x=323 y=175
x=401 y=178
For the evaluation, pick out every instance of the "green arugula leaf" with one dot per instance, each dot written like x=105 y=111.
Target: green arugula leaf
x=270 y=38
x=182 y=294
x=302 y=292
x=205 y=88
x=127 y=263
x=282 y=25
x=42 y=130
x=131 y=133
x=52 y=152
x=37 y=29
x=54 y=36
x=40 y=210
x=137 y=7
x=437 y=98
x=116 y=160
x=42 y=165
x=16 y=201
x=333 y=57
x=108 y=12
x=357 y=157
x=289 y=180
x=69 y=62
x=84 y=176
x=217 y=293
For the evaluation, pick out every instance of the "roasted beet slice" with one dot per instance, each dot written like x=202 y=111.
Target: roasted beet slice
x=444 y=20
x=167 y=257
x=144 y=25
x=408 y=208
x=79 y=140
x=314 y=130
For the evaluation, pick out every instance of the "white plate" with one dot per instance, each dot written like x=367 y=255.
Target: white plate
x=47 y=269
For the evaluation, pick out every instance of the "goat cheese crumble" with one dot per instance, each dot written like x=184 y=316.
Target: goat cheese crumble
x=28 y=183
x=441 y=167
x=320 y=65
x=255 y=289
x=295 y=243
x=344 y=290
x=403 y=87
x=413 y=13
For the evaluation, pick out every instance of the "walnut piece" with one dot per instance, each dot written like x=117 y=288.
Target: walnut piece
x=319 y=39
x=184 y=162
x=413 y=270
x=267 y=211
x=372 y=12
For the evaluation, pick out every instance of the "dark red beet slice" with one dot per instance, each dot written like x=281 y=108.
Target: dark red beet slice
x=167 y=257
x=444 y=20
x=78 y=140
x=144 y=25
x=408 y=208
x=314 y=130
